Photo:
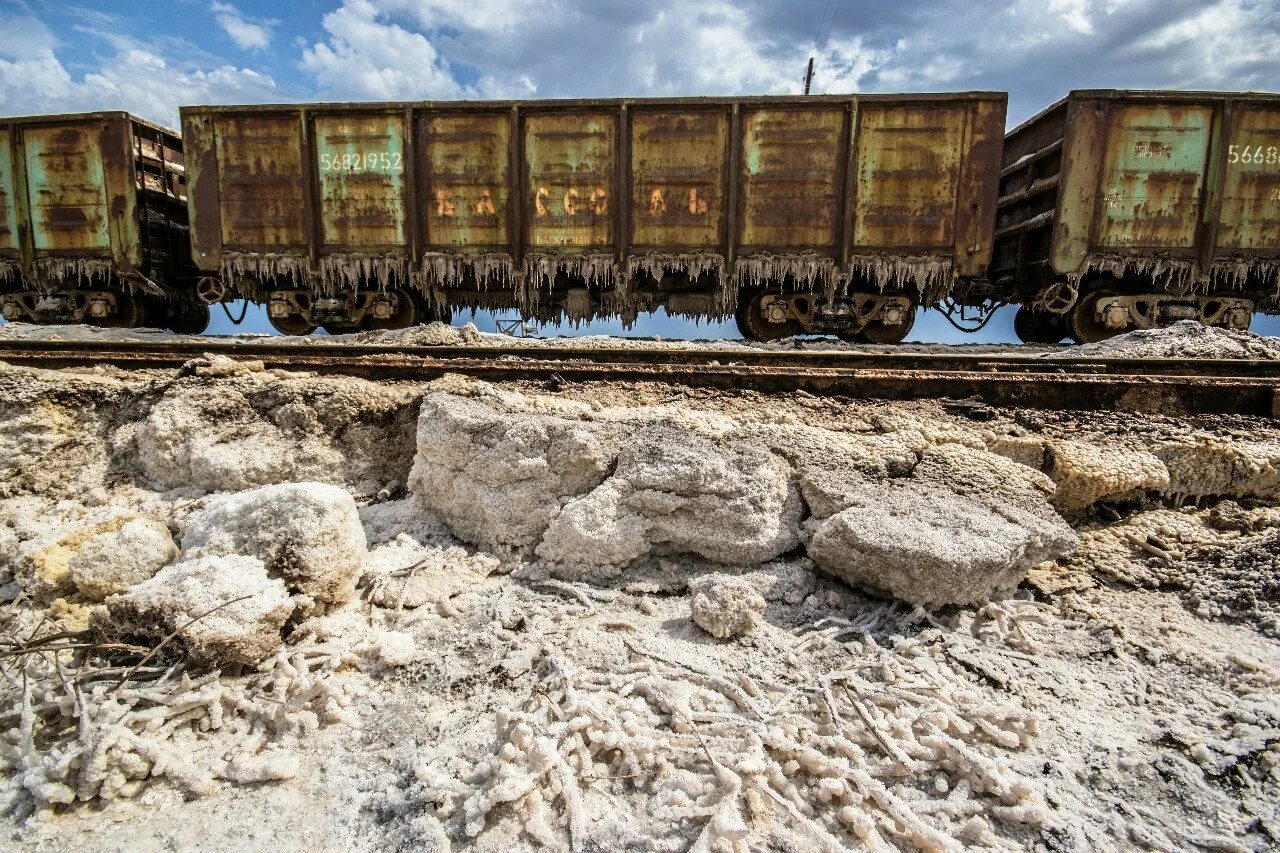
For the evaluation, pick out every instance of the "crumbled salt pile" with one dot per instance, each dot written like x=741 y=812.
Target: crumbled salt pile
x=725 y=606
x=1183 y=339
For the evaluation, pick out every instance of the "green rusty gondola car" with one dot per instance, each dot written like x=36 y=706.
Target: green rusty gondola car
x=1123 y=209
x=796 y=214
x=93 y=223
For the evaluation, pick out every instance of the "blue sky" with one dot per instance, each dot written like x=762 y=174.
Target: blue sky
x=150 y=57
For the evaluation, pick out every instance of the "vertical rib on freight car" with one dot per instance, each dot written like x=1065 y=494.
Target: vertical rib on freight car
x=93 y=222
x=822 y=213
x=1124 y=210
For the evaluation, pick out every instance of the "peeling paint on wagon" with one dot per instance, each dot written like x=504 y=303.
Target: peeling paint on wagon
x=9 y=246
x=570 y=163
x=678 y=165
x=66 y=188
x=908 y=173
x=360 y=160
x=260 y=183
x=466 y=168
x=1250 y=217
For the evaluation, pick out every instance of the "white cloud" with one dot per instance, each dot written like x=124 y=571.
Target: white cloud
x=248 y=34
x=365 y=56
x=139 y=78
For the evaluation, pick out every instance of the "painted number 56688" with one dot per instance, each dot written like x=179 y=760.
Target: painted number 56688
x=1253 y=154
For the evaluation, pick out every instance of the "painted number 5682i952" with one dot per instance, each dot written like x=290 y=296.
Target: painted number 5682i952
x=372 y=161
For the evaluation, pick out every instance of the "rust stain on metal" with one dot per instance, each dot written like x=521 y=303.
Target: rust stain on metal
x=791 y=174
x=261 y=182
x=466 y=167
x=677 y=178
x=908 y=172
x=570 y=163
x=360 y=158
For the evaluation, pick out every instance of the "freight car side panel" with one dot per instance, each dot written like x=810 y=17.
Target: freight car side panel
x=1250 y=216
x=361 y=160
x=1152 y=176
x=260 y=183
x=908 y=172
x=791 y=166
x=570 y=162
x=677 y=178
x=466 y=168
x=66 y=187
x=8 y=199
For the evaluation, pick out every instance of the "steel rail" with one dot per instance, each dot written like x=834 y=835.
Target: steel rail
x=1168 y=386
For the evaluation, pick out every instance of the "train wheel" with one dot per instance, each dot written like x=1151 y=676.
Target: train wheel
x=1038 y=327
x=128 y=313
x=1083 y=321
x=876 y=332
x=755 y=325
x=188 y=318
x=293 y=324
x=409 y=312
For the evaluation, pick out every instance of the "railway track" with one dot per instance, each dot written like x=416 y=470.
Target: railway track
x=1165 y=386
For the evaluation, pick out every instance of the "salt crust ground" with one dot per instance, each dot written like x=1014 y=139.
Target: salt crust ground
x=1186 y=339
x=478 y=694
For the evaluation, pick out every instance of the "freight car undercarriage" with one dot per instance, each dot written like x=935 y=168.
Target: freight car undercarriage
x=1103 y=307
x=106 y=306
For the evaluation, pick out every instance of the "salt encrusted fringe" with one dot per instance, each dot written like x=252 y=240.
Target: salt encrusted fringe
x=440 y=269
x=807 y=271
x=1172 y=274
x=72 y=269
x=249 y=272
x=348 y=270
x=692 y=264
x=541 y=269
x=8 y=272
x=1235 y=272
x=931 y=275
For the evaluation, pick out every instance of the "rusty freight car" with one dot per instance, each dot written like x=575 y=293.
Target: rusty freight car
x=825 y=214
x=1125 y=209
x=93 y=223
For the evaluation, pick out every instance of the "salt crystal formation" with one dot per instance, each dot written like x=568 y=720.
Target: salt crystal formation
x=113 y=561
x=309 y=534
x=226 y=609
x=725 y=606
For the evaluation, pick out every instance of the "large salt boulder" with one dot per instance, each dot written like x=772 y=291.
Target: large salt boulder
x=115 y=560
x=676 y=491
x=498 y=477
x=933 y=546
x=309 y=534
x=1086 y=473
x=963 y=525
x=227 y=610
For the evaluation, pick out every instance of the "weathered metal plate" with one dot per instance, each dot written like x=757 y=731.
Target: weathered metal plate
x=677 y=178
x=466 y=167
x=8 y=201
x=1153 y=169
x=908 y=171
x=260 y=182
x=791 y=177
x=361 y=159
x=1250 y=217
x=66 y=187
x=570 y=164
